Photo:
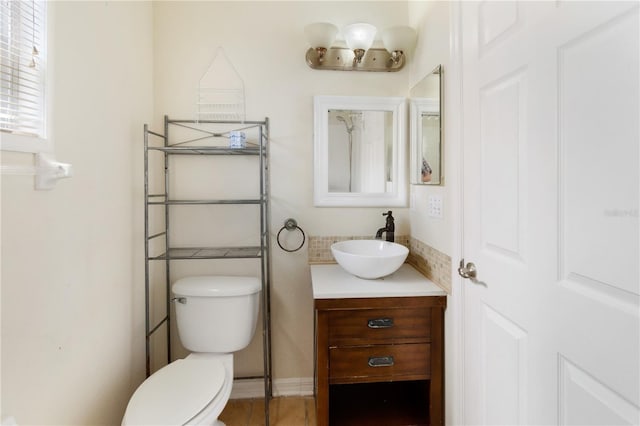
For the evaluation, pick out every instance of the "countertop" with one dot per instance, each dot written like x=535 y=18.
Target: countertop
x=333 y=282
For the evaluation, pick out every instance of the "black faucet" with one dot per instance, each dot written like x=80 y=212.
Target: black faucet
x=389 y=227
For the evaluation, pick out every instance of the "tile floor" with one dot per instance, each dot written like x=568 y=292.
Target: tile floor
x=285 y=411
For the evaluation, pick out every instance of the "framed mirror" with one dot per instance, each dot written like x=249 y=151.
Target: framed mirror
x=426 y=130
x=360 y=151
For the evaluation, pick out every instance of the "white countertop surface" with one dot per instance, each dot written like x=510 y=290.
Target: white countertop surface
x=333 y=282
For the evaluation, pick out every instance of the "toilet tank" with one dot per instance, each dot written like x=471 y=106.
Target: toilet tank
x=216 y=314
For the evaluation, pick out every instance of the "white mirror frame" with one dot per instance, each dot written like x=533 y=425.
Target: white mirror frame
x=397 y=197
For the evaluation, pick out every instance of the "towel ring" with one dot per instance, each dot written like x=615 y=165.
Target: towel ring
x=290 y=225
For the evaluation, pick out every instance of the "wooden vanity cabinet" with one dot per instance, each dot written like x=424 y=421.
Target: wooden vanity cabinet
x=393 y=344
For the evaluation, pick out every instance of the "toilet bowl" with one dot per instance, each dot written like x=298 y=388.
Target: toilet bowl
x=216 y=316
x=190 y=391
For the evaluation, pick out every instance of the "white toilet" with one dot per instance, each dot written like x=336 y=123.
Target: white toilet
x=215 y=316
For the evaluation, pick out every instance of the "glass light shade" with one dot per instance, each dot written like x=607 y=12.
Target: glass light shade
x=320 y=34
x=359 y=36
x=399 y=39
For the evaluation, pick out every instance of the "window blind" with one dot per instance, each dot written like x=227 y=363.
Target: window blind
x=22 y=66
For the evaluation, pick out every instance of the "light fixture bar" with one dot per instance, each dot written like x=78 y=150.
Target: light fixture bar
x=342 y=59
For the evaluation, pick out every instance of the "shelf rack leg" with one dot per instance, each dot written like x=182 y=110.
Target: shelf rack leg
x=147 y=320
x=266 y=266
x=166 y=238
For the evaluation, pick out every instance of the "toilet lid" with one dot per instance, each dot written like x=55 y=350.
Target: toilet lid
x=176 y=393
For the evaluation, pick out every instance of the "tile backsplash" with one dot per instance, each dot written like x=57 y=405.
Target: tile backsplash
x=432 y=263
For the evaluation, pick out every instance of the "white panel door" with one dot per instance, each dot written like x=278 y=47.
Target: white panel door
x=550 y=102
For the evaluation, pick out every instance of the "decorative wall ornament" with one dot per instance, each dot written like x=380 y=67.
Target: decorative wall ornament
x=221 y=91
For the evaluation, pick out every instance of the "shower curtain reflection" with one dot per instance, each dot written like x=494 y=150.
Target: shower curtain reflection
x=347 y=119
x=359 y=142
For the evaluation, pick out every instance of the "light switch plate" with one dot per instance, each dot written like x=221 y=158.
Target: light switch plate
x=435 y=206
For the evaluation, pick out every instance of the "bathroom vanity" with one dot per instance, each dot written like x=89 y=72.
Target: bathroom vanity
x=379 y=348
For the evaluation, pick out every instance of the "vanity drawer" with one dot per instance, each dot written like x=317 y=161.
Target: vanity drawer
x=379 y=363
x=386 y=325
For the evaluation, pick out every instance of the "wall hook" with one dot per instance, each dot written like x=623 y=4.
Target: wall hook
x=48 y=171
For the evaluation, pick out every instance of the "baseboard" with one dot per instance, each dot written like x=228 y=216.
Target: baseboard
x=254 y=388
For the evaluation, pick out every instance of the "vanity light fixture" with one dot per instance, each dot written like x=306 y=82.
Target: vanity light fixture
x=358 y=55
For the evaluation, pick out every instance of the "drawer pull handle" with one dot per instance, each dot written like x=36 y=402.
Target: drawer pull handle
x=380 y=361
x=380 y=323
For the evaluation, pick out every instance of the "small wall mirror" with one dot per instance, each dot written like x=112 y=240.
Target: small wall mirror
x=360 y=151
x=426 y=130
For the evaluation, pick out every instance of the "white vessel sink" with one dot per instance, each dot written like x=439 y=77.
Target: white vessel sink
x=369 y=258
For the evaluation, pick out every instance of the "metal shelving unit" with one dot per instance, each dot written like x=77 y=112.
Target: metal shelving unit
x=207 y=138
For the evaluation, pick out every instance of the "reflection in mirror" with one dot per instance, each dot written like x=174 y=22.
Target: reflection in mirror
x=430 y=167
x=359 y=151
x=426 y=130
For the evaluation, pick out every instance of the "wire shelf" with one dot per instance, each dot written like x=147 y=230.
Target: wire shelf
x=210 y=253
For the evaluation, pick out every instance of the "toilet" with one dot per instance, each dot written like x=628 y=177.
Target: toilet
x=215 y=316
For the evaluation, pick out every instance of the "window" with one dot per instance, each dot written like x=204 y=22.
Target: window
x=22 y=75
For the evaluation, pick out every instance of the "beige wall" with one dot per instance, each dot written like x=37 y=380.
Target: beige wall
x=432 y=21
x=72 y=301
x=265 y=42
